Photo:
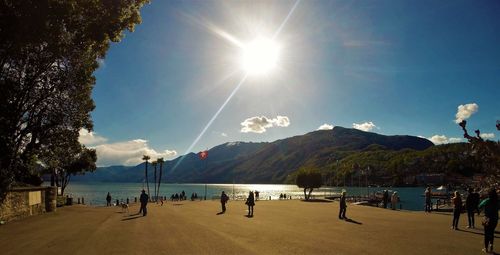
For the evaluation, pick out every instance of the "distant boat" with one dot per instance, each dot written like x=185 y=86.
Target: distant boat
x=441 y=188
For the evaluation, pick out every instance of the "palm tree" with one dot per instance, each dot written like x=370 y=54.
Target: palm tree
x=160 y=161
x=154 y=163
x=146 y=158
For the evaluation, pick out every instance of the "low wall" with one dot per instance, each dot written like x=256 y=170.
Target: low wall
x=27 y=201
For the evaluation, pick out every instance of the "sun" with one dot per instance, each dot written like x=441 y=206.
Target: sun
x=260 y=56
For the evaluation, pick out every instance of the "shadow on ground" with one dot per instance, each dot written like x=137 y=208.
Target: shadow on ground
x=481 y=233
x=353 y=221
x=318 y=201
x=132 y=218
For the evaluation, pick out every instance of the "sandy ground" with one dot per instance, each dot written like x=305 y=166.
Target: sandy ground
x=278 y=227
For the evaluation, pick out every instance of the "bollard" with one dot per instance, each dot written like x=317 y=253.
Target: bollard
x=135 y=199
x=83 y=201
x=117 y=202
x=78 y=200
x=400 y=206
x=127 y=201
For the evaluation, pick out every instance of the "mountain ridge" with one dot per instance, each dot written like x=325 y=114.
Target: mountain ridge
x=263 y=162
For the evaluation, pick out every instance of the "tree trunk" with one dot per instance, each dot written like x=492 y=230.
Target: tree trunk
x=305 y=194
x=155 y=195
x=159 y=180
x=147 y=180
x=310 y=191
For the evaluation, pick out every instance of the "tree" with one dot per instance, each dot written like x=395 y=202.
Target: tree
x=78 y=165
x=160 y=161
x=154 y=164
x=64 y=158
x=146 y=158
x=486 y=154
x=308 y=179
x=49 y=50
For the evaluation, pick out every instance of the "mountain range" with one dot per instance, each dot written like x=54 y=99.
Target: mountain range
x=265 y=162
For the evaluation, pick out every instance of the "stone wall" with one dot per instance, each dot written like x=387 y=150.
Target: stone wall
x=27 y=201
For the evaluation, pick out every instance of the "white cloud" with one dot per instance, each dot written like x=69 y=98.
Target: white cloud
x=223 y=134
x=465 y=111
x=101 y=62
x=90 y=138
x=487 y=135
x=367 y=126
x=325 y=127
x=442 y=139
x=128 y=153
x=260 y=124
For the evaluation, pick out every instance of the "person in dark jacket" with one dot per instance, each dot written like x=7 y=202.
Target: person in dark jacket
x=108 y=200
x=457 y=208
x=343 y=206
x=250 y=203
x=144 y=202
x=385 y=198
x=490 y=220
x=471 y=204
x=223 y=200
x=428 y=200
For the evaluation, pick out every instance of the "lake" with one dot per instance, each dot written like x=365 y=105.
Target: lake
x=95 y=193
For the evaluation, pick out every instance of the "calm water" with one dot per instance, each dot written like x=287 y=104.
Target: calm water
x=95 y=193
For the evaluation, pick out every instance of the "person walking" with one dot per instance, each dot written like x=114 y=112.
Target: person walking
x=385 y=198
x=471 y=204
x=108 y=200
x=250 y=203
x=428 y=205
x=394 y=200
x=490 y=219
x=457 y=208
x=343 y=206
x=223 y=200
x=144 y=202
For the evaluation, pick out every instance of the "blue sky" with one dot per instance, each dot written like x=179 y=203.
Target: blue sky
x=404 y=66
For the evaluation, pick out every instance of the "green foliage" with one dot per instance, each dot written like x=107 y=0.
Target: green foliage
x=49 y=50
x=308 y=179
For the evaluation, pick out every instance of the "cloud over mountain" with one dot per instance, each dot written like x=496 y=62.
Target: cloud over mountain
x=366 y=126
x=128 y=153
x=261 y=124
x=442 y=139
x=325 y=127
x=487 y=135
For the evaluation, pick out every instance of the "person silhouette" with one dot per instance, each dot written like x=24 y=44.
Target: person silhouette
x=457 y=208
x=108 y=200
x=250 y=203
x=223 y=200
x=144 y=202
x=490 y=220
x=343 y=206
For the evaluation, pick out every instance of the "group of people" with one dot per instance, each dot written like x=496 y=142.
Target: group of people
x=473 y=205
x=180 y=196
x=283 y=196
x=394 y=199
x=250 y=202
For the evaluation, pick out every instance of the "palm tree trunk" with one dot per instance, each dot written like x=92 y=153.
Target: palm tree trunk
x=155 y=195
x=147 y=180
x=159 y=179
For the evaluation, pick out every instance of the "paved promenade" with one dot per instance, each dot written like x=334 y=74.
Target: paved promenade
x=278 y=227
